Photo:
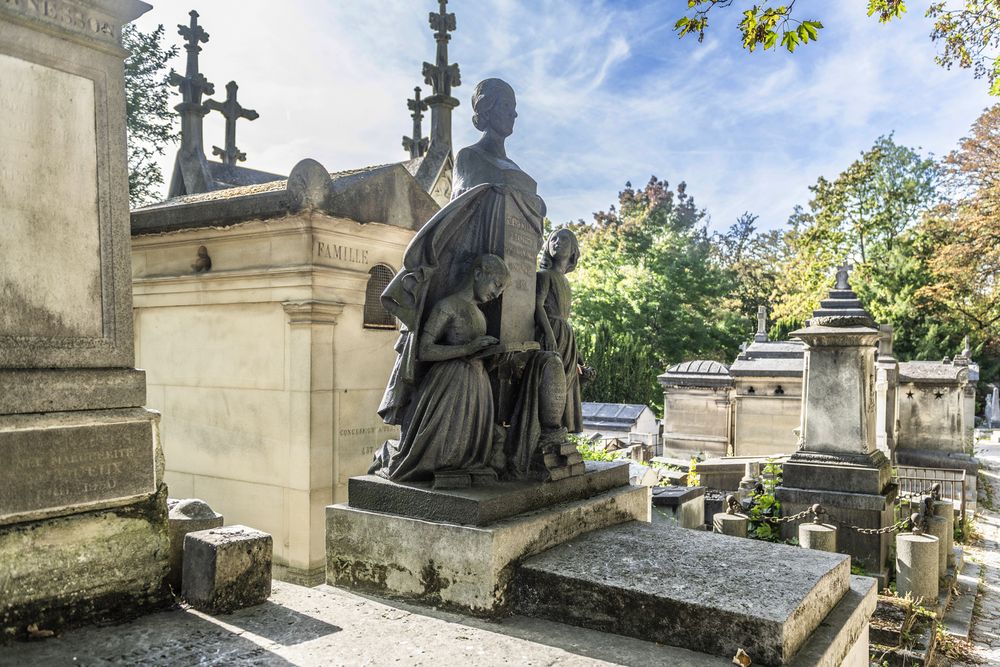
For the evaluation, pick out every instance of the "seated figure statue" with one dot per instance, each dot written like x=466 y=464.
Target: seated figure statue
x=495 y=210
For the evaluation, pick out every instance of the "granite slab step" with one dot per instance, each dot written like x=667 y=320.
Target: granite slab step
x=958 y=620
x=706 y=592
x=483 y=505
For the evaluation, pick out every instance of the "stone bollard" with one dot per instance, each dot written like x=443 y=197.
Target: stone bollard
x=186 y=516
x=730 y=522
x=917 y=565
x=946 y=510
x=938 y=527
x=819 y=536
x=226 y=569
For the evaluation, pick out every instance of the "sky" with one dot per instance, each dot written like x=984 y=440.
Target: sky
x=606 y=92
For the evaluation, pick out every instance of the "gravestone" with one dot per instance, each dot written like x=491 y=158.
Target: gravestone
x=82 y=500
x=838 y=464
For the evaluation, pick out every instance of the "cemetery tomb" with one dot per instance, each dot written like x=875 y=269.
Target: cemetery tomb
x=697 y=399
x=83 y=521
x=269 y=366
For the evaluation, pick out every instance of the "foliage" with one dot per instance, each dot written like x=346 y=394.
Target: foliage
x=148 y=117
x=588 y=451
x=693 y=478
x=867 y=214
x=752 y=260
x=648 y=293
x=764 y=507
x=963 y=236
x=967 y=32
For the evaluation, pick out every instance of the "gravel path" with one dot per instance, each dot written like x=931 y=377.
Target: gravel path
x=986 y=627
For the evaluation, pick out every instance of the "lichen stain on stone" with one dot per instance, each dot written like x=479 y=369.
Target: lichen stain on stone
x=358 y=574
x=431 y=579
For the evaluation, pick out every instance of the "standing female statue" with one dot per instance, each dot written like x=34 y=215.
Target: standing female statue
x=495 y=210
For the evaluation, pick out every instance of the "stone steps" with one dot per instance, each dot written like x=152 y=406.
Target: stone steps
x=705 y=592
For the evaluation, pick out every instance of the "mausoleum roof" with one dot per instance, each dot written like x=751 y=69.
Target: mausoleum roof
x=932 y=372
x=770 y=359
x=612 y=416
x=697 y=373
x=386 y=193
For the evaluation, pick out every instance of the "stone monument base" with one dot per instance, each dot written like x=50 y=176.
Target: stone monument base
x=468 y=567
x=83 y=518
x=103 y=565
x=856 y=490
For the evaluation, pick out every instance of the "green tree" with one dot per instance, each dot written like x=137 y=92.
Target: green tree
x=647 y=292
x=968 y=32
x=963 y=237
x=751 y=258
x=148 y=117
x=866 y=215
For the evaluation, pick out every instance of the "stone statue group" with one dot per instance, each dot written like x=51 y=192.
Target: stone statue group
x=486 y=383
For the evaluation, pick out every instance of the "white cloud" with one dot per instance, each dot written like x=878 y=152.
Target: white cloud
x=606 y=93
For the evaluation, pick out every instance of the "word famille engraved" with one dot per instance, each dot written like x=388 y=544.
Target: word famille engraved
x=341 y=253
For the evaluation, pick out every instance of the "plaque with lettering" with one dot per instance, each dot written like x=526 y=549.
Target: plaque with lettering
x=49 y=469
x=520 y=246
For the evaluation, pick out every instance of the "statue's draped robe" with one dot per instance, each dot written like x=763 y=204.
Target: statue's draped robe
x=435 y=264
x=555 y=289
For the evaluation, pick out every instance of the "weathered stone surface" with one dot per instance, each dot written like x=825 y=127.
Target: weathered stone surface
x=99 y=565
x=483 y=505
x=684 y=505
x=226 y=569
x=56 y=390
x=917 y=566
x=464 y=567
x=64 y=305
x=57 y=462
x=710 y=598
x=819 y=536
x=186 y=516
x=846 y=473
x=733 y=525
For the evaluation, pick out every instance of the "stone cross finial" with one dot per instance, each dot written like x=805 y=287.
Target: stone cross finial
x=761 y=335
x=194 y=83
x=441 y=76
x=843 y=273
x=191 y=173
x=966 y=350
x=233 y=111
x=416 y=145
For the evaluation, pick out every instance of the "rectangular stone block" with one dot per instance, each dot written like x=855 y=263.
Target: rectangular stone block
x=28 y=390
x=60 y=462
x=186 y=516
x=464 y=567
x=717 y=595
x=226 y=569
x=481 y=506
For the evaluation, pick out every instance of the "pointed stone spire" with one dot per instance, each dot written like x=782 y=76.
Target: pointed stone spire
x=435 y=172
x=232 y=110
x=417 y=144
x=191 y=173
x=761 y=335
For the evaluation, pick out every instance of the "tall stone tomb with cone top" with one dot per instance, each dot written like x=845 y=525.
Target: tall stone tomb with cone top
x=82 y=503
x=838 y=464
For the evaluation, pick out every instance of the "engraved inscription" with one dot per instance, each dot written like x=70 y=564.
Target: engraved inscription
x=50 y=469
x=341 y=253
x=370 y=436
x=65 y=15
x=521 y=244
x=48 y=185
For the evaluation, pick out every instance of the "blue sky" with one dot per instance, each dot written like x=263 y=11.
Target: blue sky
x=606 y=92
